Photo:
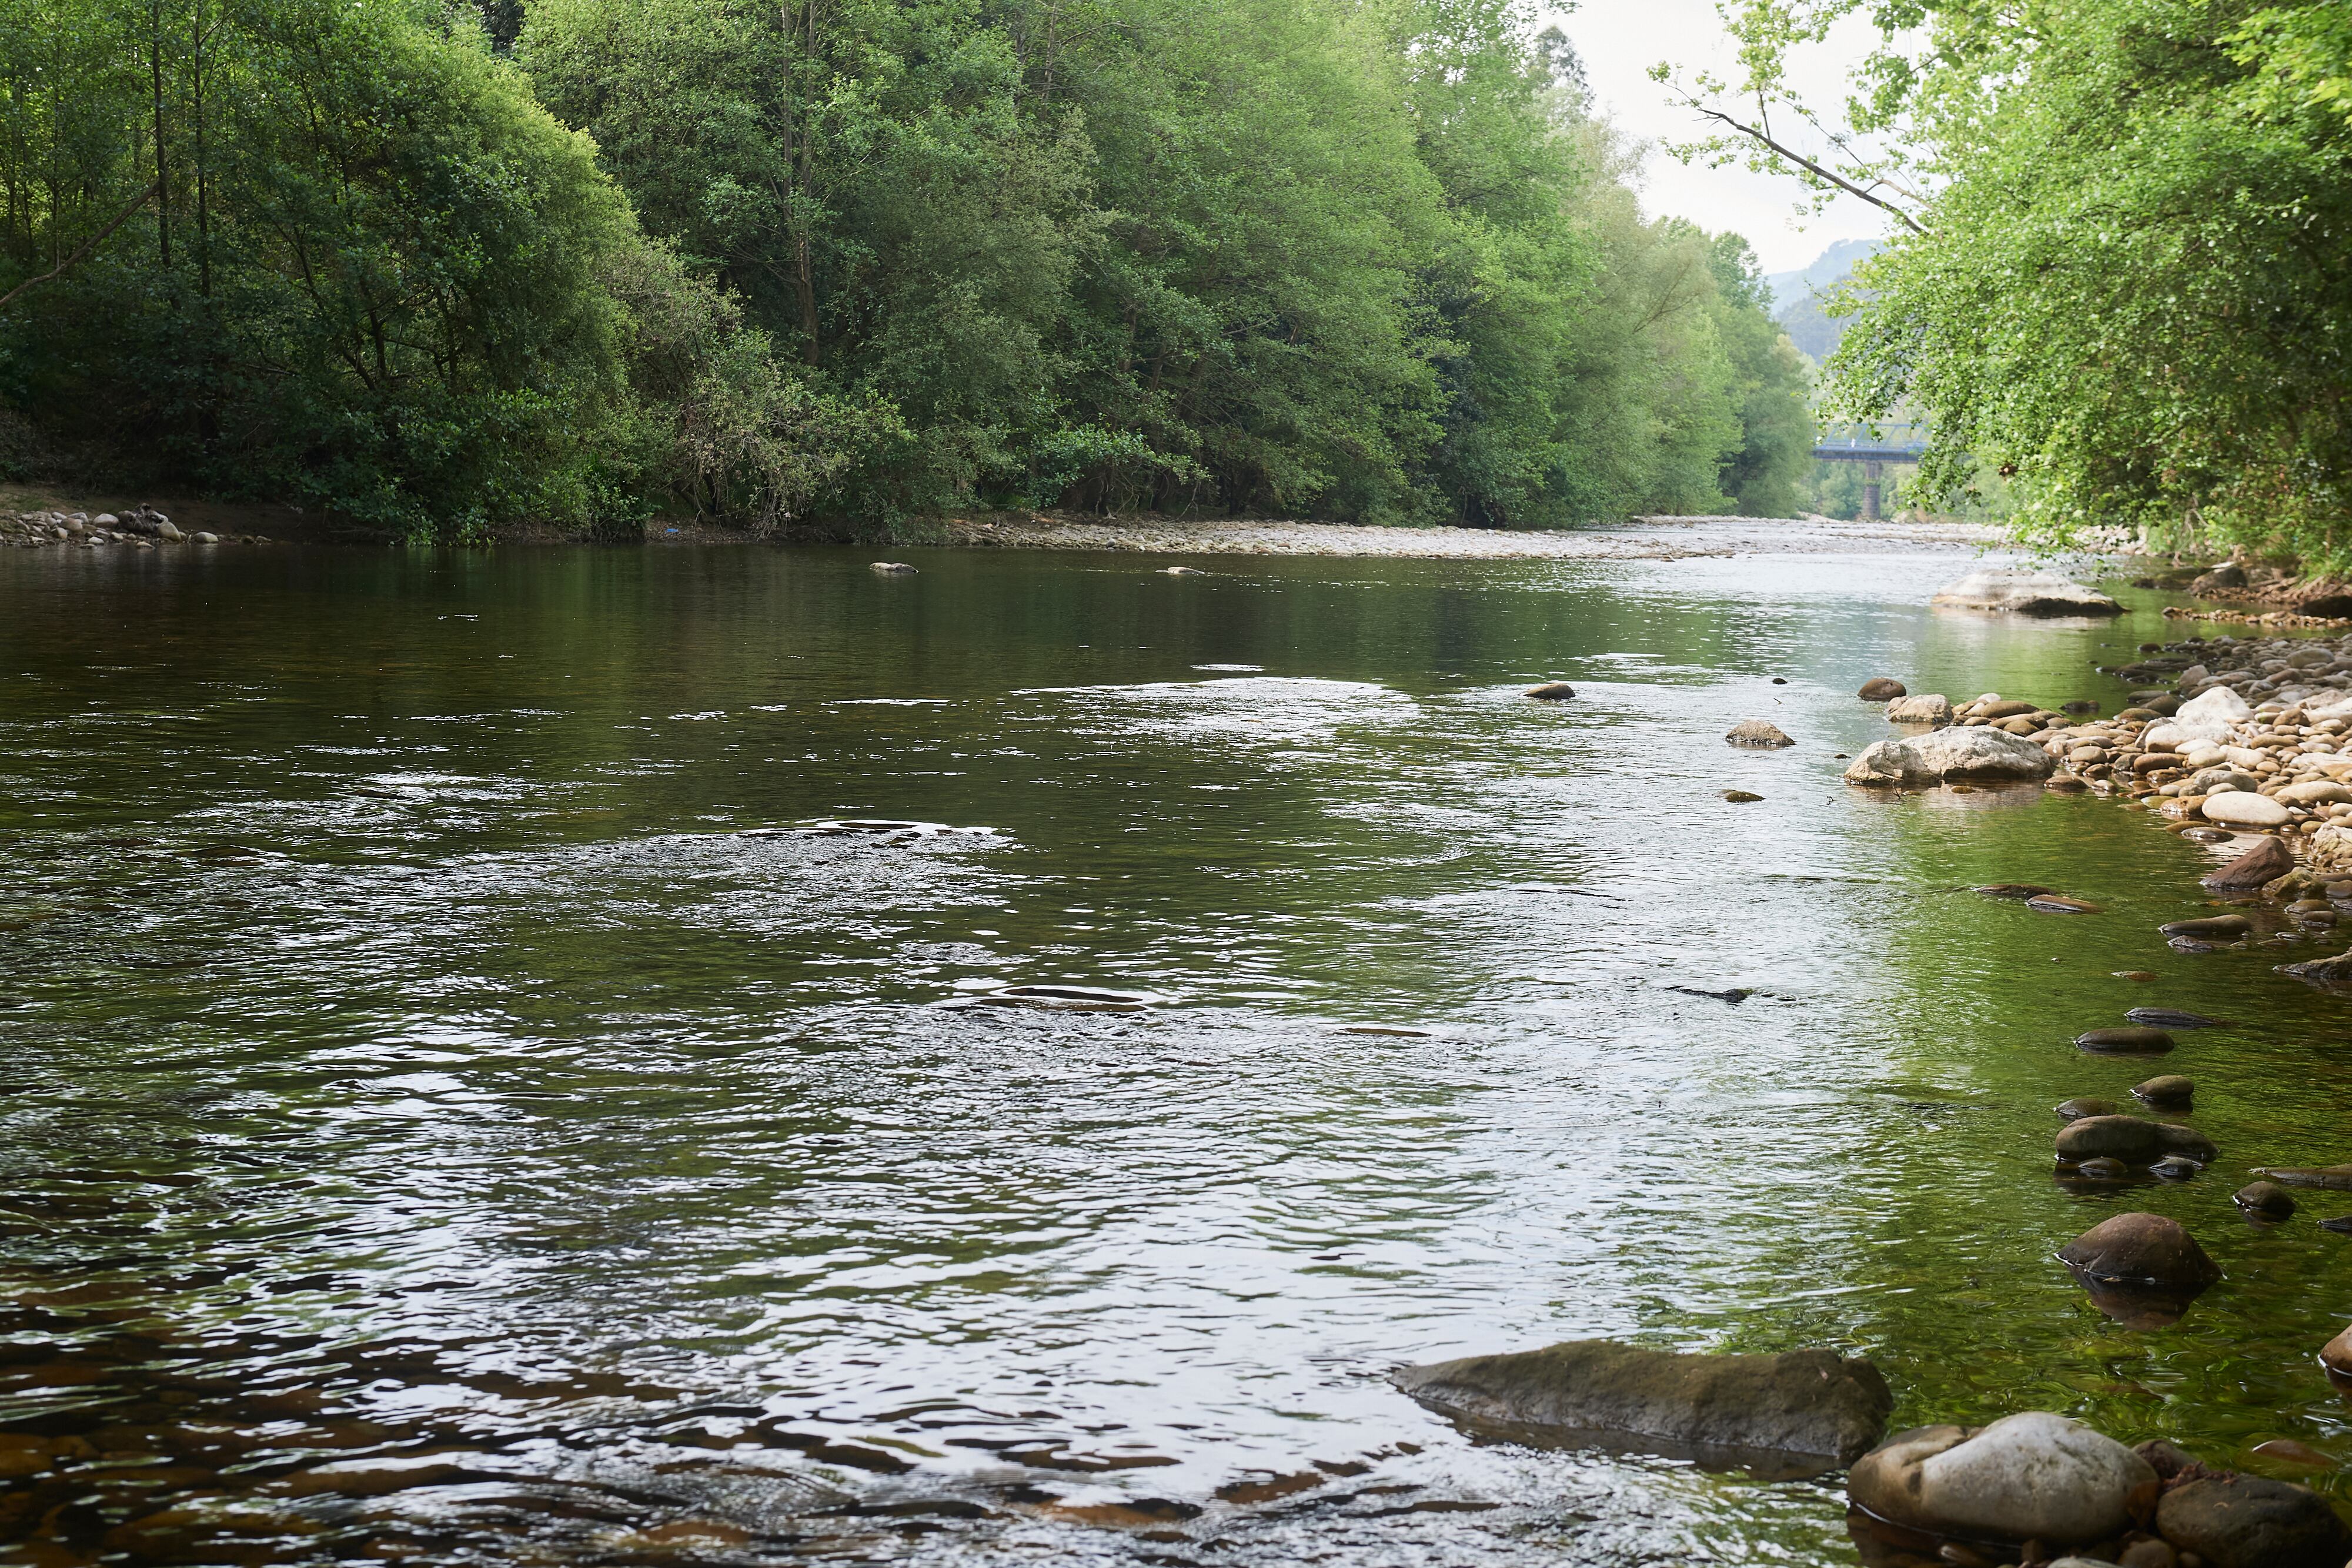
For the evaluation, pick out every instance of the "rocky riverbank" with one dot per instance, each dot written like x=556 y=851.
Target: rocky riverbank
x=143 y=527
x=1642 y=538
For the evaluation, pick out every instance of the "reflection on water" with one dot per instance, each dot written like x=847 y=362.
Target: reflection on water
x=720 y=1056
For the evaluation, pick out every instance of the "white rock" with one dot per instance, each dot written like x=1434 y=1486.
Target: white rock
x=2244 y=808
x=2033 y=1476
x=2219 y=705
x=1935 y=709
x=2022 y=593
x=2318 y=792
x=2204 y=755
x=1951 y=756
x=203 y=538
x=167 y=529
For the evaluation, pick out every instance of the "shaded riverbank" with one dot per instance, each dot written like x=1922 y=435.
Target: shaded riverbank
x=469 y=1094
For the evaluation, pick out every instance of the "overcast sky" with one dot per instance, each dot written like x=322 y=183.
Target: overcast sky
x=1620 y=41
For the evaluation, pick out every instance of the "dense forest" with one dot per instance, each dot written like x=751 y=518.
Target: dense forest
x=445 y=268
x=2121 y=277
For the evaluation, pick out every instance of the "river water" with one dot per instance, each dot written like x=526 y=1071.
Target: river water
x=470 y=1093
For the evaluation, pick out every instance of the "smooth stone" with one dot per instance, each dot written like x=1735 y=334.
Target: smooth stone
x=2244 y=808
x=1758 y=732
x=1182 y=571
x=894 y=568
x=2326 y=1179
x=1807 y=1403
x=2220 y=705
x=2252 y=1522
x=2130 y=1138
x=1965 y=755
x=2087 y=1105
x=2014 y=890
x=1740 y=797
x=2033 y=1476
x=2175 y=1167
x=2266 y=1197
x=202 y=537
x=2104 y=1167
x=2054 y=904
x=2173 y=1017
x=2019 y=591
x=1552 y=692
x=2318 y=792
x=2132 y=1041
x=2079 y=705
x=2169 y=1090
x=2335 y=1355
x=2140 y=1249
x=1931 y=708
x=167 y=529
x=2341 y=1225
x=2009 y=710
x=2209 y=929
x=1882 y=689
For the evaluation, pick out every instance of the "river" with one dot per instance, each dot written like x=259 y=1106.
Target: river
x=471 y=1091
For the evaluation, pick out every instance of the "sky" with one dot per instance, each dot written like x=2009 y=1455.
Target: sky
x=1620 y=40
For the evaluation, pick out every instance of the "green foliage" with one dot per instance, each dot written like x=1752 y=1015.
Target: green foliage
x=1367 y=260
x=2126 y=288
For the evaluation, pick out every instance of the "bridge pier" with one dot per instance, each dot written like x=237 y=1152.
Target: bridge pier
x=1870 y=490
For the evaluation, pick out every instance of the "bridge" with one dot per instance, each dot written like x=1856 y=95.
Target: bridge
x=1871 y=446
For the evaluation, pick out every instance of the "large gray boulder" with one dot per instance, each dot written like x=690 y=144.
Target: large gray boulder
x=2030 y=1476
x=1805 y=1404
x=1967 y=755
x=2019 y=591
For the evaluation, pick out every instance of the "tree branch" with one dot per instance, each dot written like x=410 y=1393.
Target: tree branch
x=1793 y=156
x=87 y=246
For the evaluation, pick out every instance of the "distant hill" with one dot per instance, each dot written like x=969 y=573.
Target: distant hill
x=1796 y=296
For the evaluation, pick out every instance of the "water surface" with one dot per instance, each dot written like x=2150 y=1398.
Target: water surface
x=471 y=1094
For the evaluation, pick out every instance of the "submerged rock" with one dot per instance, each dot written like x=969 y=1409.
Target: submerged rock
x=2132 y=1041
x=2140 y=1249
x=1741 y=797
x=2169 y=1090
x=2131 y=1138
x=1552 y=692
x=1952 y=755
x=1806 y=1404
x=2086 y=1105
x=2266 y=1199
x=2209 y=929
x=2030 y=1476
x=2058 y=903
x=2172 y=1017
x=2266 y=861
x=893 y=568
x=2336 y=971
x=2014 y=890
x=2324 y=1178
x=2335 y=1355
x=2250 y=1521
x=1882 y=689
x=1758 y=732
x=2022 y=593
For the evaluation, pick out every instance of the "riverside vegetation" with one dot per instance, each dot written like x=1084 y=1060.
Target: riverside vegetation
x=442 y=270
